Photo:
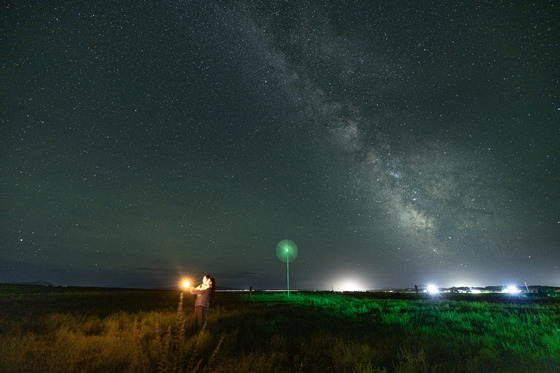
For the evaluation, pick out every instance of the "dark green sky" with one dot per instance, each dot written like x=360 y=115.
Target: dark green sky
x=396 y=144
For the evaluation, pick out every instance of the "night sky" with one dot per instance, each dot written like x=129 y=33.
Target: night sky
x=396 y=143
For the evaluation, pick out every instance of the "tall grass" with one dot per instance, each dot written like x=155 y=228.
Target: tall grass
x=302 y=333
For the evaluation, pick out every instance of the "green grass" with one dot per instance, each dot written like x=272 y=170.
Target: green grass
x=99 y=330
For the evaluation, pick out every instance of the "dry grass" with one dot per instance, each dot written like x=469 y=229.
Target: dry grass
x=152 y=332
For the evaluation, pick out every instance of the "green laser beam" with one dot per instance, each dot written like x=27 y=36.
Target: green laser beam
x=287 y=250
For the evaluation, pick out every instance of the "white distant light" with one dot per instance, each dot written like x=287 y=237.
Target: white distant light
x=432 y=289
x=348 y=284
x=511 y=290
x=475 y=291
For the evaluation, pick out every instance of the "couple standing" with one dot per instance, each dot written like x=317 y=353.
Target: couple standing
x=203 y=293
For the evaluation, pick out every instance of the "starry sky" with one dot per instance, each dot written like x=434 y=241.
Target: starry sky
x=396 y=143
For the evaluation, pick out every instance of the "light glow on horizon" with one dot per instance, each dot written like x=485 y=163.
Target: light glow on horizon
x=348 y=284
x=512 y=289
x=432 y=289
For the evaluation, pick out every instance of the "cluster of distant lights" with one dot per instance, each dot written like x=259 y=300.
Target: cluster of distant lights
x=431 y=289
x=511 y=290
x=434 y=290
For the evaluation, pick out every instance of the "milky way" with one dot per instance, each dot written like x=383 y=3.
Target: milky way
x=395 y=144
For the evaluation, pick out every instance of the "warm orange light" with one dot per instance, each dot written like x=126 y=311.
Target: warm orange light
x=186 y=284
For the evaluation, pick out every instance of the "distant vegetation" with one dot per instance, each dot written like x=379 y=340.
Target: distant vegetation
x=48 y=329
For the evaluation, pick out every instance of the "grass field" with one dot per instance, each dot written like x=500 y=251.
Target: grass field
x=50 y=329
